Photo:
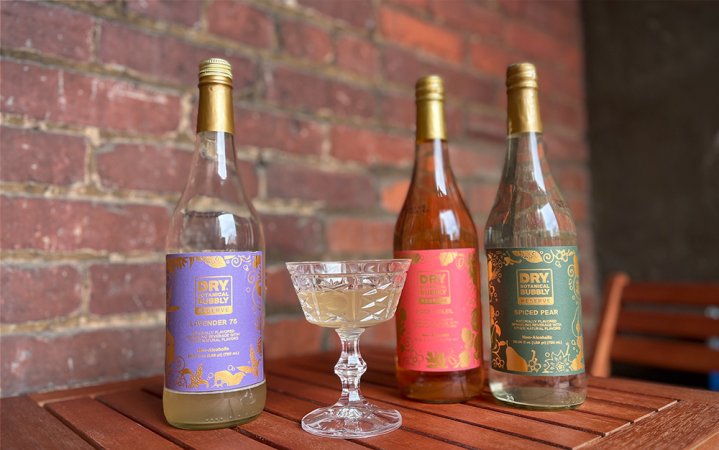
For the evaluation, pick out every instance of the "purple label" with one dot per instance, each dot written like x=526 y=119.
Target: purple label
x=213 y=340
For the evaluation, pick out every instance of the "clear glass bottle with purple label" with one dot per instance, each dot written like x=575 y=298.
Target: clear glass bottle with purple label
x=214 y=372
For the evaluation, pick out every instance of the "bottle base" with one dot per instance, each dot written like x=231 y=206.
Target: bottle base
x=440 y=387
x=538 y=398
x=211 y=426
x=209 y=411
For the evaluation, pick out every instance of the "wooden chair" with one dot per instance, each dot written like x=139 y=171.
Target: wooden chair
x=658 y=325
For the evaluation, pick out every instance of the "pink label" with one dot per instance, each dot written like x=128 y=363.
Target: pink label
x=438 y=318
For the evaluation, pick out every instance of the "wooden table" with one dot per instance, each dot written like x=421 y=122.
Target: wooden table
x=127 y=415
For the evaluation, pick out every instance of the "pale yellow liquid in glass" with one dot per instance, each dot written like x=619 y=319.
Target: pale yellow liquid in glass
x=351 y=308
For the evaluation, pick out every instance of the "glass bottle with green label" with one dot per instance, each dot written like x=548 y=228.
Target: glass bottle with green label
x=537 y=350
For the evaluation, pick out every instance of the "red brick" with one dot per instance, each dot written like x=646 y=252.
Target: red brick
x=371 y=147
x=76 y=99
x=561 y=18
x=334 y=190
x=491 y=58
x=281 y=295
x=285 y=134
x=572 y=178
x=486 y=126
x=398 y=111
x=36 y=156
x=65 y=225
x=240 y=22
x=402 y=67
x=409 y=31
x=39 y=293
x=357 y=236
x=480 y=161
x=292 y=337
x=305 y=91
x=126 y=288
x=559 y=148
x=537 y=43
x=417 y=6
x=163 y=168
x=357 y=13
x=46 y=29
x=454 y=120
x=564 y=113
x=554 y=82
x=479 y=198
x=35 y=362
x=306 y=41
x=578 y=206
x=405 y=68
x=468 y=87
x=164 y=57
x=357 y=55
x=187 y=13
x=393 y=195
x=475 y=18
x=292 y=237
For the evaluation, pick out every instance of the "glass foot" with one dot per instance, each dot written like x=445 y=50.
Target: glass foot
x=351 y=422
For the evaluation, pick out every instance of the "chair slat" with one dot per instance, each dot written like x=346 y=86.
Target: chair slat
x=668 y=324
x=666 y=354
x=703 y=294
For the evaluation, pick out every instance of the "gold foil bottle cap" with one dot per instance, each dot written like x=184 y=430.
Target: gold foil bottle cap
x=521 y=75
x=429 y=96
x=215 y=104
x=215 y=68
x=430 y=87
x=522 y=99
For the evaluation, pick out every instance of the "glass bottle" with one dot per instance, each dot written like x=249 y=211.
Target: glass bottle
x=439 y=347
x=537 y=356
x=214 y=374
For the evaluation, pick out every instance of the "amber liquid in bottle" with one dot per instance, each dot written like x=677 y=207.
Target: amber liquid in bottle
x=434 y=217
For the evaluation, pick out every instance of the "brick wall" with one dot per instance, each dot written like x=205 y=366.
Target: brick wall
x=98 y=109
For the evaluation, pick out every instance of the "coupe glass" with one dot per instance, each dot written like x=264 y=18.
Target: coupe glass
x=350 y=296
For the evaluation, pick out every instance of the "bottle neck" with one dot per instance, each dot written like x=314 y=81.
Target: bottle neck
x=215 y=156
x=526 y=165
x=430 y=121
x=431 y=155
x=431 y=167
x=215 y=106
x=523 y=110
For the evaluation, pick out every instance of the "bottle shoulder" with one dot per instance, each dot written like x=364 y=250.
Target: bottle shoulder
x=193 y=230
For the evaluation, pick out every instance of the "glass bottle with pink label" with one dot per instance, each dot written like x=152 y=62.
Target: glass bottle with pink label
x=214 y=374
x=439 y=337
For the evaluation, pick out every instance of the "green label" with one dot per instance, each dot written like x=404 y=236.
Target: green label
x=535 y=311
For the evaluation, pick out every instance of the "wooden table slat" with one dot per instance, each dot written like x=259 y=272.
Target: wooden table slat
x=682 y=426
x=295 y=408
x=649 y=388
x=26 y=425
x=277 y=430
x=146 y=409
x=93 y=391
x=105 y=427
x=571 y=418
x=630 y=398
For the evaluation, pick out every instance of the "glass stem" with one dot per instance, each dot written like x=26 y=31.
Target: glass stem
x=350 y=366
